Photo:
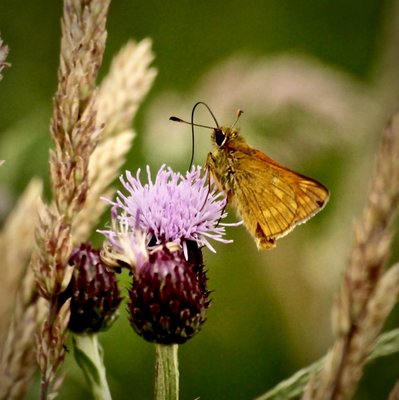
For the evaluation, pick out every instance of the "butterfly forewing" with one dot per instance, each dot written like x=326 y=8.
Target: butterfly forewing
x=270 y=198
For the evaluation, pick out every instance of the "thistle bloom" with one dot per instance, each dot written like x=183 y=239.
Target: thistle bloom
x=158 y=230
x=174 y=208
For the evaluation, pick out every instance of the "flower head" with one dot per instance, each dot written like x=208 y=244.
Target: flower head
x=95 y=296
x=158 y=230
x=168 y=297
x=173 y=208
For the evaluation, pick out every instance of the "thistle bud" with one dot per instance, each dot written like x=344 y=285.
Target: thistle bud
x=168 y=296
x=95 y=296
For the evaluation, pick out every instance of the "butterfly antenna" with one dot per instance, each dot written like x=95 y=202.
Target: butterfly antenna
x=238 y=115
x=192 y=126
x=208 y=108
x=177 y=119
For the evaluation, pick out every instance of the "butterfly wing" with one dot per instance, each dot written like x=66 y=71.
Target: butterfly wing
x=271 y=198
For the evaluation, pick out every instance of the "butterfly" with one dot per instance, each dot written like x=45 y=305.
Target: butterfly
x=270 y=198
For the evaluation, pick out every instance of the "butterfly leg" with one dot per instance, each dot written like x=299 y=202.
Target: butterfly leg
x=211 y=170
x=207 y=167
x=210 y=166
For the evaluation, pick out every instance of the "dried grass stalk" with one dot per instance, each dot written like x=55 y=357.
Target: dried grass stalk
x=52 y=340
x=18 y=361
x=125 y=86
x=367 y=294
x=20 y=310
x=74 y=125
x=53 y=239
x=75 y=134
x=16 y=245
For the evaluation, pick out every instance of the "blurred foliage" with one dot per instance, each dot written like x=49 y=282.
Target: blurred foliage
x=254 y=336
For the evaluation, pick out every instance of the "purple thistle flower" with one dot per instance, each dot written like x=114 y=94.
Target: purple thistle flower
x=173 y=208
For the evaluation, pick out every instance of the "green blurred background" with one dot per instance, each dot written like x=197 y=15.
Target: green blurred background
x=271 y=310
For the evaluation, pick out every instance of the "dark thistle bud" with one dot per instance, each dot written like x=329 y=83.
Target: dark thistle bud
x=168 y=297
x=95 y=296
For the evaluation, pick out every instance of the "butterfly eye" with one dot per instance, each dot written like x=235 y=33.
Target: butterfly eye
x=219 y=137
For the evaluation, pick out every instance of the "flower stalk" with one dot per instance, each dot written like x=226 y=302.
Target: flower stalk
x=89 y=356
x=166 y=372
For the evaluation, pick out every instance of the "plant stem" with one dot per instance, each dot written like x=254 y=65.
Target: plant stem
x=166 y=372
x=43 y=389
x=89 y=356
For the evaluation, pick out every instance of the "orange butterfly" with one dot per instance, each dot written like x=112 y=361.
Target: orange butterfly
x=270 y=198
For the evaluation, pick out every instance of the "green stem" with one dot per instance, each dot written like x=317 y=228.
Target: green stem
x=166 y=372
x=89 y=356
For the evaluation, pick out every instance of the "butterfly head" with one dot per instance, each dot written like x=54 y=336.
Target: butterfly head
x=222 y=136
